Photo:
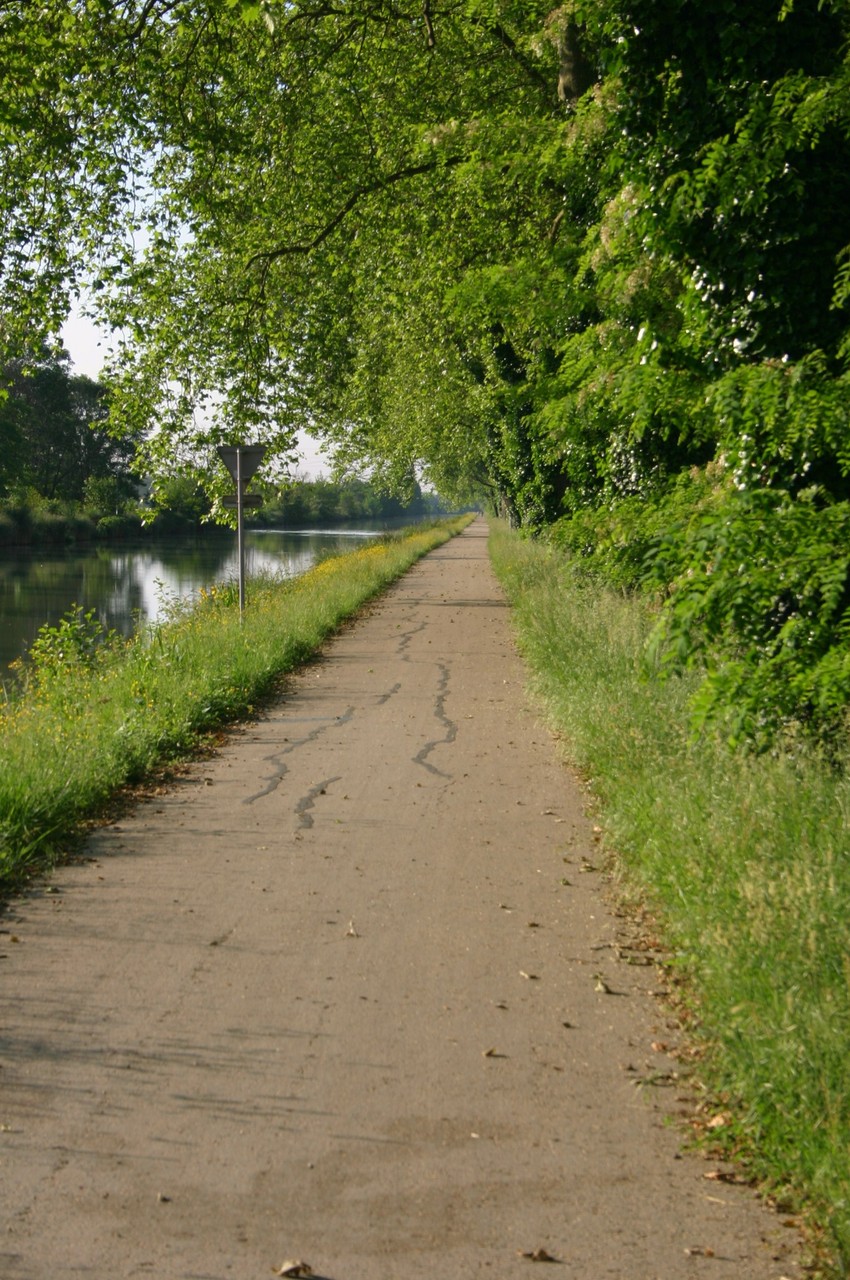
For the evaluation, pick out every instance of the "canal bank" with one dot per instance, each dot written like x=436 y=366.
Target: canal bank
x=129 y=584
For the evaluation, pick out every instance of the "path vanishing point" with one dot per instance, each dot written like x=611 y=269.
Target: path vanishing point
x=352 y=993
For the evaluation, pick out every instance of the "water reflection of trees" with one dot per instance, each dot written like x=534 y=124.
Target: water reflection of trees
x=128 y=584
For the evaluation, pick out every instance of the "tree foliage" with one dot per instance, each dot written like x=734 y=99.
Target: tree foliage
x=580 y=257
x=53 y=430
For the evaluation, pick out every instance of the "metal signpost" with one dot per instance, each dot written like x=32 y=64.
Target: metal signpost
x=242 y=460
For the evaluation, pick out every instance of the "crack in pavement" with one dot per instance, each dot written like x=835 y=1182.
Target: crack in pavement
x=306 y=803
x=406 y=637
x=421 y=757
x=385 y=697
x=450 y=727
x=273 y=780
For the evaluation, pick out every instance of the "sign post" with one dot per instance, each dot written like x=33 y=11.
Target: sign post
x=242 y=460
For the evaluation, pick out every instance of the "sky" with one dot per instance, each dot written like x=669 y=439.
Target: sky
x=87 y=347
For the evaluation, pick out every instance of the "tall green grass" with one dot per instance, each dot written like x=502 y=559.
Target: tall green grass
x=91 y=717
x=745 y=859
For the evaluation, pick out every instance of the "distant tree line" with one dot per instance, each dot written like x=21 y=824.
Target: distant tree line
x=323 y=502
x=63 y=476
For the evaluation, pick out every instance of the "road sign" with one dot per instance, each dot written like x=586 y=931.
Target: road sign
x=248 y=500
x=241 y=460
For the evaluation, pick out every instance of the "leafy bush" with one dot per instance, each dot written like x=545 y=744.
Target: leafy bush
x=79 y=639
x=752 y=586
x=759 y=597
x=618 y=541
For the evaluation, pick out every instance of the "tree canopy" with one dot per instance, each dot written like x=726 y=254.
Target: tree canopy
x=589 y=259
x=54 y=439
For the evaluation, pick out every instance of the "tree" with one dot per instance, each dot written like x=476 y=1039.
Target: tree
x=55 y=423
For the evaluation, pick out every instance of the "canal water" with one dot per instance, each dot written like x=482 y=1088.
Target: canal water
x=130 y=585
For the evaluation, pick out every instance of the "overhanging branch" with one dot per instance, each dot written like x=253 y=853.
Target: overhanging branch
x=268 y=256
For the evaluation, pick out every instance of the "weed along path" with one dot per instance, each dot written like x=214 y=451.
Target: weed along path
x=349 y=994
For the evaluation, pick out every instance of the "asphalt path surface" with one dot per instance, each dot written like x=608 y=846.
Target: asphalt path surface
x=353 y=993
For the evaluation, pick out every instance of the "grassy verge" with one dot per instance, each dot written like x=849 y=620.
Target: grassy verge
x=746 y=862
x=92 y=716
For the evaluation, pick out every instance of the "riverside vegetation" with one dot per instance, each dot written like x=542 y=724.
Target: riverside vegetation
x=744 y=860
x=92 y=712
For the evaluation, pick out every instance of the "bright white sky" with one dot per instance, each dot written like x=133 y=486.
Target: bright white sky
x=87 y=346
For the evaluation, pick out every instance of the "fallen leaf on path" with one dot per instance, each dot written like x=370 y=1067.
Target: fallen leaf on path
x=295 y=1267
x=700 y=1253
x=538 y=1255
x=351 y=932
x=531 y=977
